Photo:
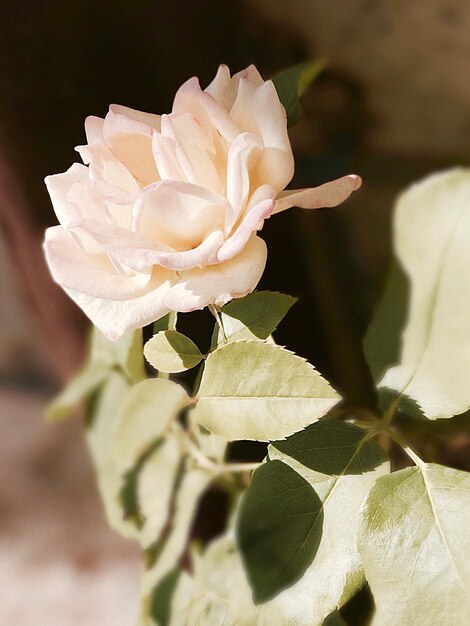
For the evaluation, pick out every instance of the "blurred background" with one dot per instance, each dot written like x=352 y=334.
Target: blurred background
x=392 y=105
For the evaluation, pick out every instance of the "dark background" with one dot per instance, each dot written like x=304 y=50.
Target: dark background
x=392 y=105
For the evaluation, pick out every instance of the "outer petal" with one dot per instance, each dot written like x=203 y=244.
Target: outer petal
x=92 y=274
x=220 y=283
x=276 y=166
x=116 y=317
x=94 y=129
x=130 y=141
x=59 y=185
x=328 y=195
x=179 y=214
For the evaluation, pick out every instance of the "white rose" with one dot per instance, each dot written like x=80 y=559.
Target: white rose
x=163 y=215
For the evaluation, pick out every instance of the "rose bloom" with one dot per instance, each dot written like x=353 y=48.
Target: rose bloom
x=163 y=214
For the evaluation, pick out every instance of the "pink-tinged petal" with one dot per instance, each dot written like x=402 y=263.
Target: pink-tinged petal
x=93 y=274
x=130 y=140
x=223 y=88
x=58 y=186
x=250 y=73
x=242 y=110
x=144 y=258
x=94 y=129
x=252 y=222
x=327 y=195
x=148 y=119
x=243 y=157
x=178 y=214
x=276 y=165
x=164 y=153
x=218 y=284
x=191 y=99
x=115 y=318
x=137 y=252
x=194 y=150
x=104 y=166
x=72 y=195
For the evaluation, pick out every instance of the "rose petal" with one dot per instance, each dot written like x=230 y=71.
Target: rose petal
x=58 y=186
x=243 y=157
x=178 y=214
x=130 y=141
x=224 y=88
x=252 y=222
x=92 y=274
x=140 y=253
x=327 y=195
x=94 y=129
x=148 y=119
x=104 y=166
x=276 y=165
x=115 y=318
x=218 y=284
x=191 y=99
x=194 y=151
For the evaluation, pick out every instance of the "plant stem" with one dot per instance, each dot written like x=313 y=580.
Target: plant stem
x=218 y=318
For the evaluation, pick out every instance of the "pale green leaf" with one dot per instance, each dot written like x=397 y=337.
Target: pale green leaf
x=255 y=390
x=334 y=619
x=160 y=608
x=193 y=485
x=170 y=351
x=155 y=484
x=78 y=389
x=342 y=465
x=125 y=353
x=99 y=436
x=432 y=243
x=255 y=316
x=415 y=546
x=147 y=411
x=279 y=529
x=292 y=82
x=383 y=341
x=218 y=592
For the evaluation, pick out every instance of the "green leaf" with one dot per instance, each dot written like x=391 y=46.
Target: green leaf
x=279 y=529
x=255 y=390
x=147 y=411
x=79 y=388
x=193 y=484
x=342 y=464
x=432 y=244
x=334 y=619
x=219 y=593
x=383 y=341
x=292 y=82
x=160 y=604
x=167 y=322
x=255 y=316
x=99 y=436
x=170 y=351
x=414 y=543
x=333 y=447
x=125 y=353
x=155 y=484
